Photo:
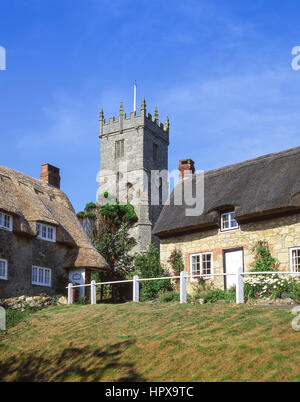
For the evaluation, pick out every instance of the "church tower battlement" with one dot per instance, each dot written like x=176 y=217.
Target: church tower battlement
x=130 y=148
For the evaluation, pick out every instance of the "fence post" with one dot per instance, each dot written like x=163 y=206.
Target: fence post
x=70 y=296
x=93 y=292
x=136 y=289
x=182 y=287
x=239 y=286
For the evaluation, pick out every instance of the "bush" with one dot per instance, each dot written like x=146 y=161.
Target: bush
x=147 y=265
x=209 y=293
x=82 y=300
x=167 y=297
x=263 y=260
x=273 y=286
x=214 y=295
x=260 y=286
x=119 y=213
x=176 y=261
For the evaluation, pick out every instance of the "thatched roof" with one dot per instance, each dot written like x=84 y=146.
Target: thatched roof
x=255 y=188
x=31 y=200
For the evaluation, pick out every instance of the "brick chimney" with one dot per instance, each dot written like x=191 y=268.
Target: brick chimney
x=50 y=174
x=184 y=165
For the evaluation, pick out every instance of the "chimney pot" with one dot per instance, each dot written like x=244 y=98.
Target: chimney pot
x=186 y=165
x=50 y=174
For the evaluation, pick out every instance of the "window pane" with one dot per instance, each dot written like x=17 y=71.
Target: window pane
x=41 y=275
x=7 y=221
x=195 y=265
x=50 y=233
x=1 y=219
x=47 y=276
x=44 y=231
x=2 y=269
x=34 y=275
x=228 y=221
x=206 y=264
x=296 y=260
x=225 y=221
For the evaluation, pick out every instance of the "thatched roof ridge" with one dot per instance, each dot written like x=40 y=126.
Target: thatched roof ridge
x=31 y=200
x=266 y=185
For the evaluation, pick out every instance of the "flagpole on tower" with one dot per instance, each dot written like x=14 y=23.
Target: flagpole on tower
x=134 y=97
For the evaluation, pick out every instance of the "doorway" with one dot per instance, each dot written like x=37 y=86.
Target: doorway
x=233 y=259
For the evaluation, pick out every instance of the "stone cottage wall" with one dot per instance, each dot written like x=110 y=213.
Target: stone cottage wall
x=281 y=234
x=21 y=253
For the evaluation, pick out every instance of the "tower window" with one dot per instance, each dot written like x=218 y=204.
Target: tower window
x=155 y=152
x=119 y=149
x=129 y=193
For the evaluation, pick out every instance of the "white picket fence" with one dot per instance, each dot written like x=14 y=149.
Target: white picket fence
x=183 y=282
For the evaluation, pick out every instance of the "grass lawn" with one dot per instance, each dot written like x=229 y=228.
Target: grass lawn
x=152 y=342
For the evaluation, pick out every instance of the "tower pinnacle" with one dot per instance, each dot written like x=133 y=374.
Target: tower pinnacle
x=143 y=106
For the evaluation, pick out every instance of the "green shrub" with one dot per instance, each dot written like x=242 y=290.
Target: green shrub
x=207 y=291
x=80 y=214
x=147 y=265
x=263 y=260
x=90 y=215
x=273 y=285
x=167 y=297
x=82 y=300
x=176 y=261
x=119 y=212
x=261 y=286
x=90 y=205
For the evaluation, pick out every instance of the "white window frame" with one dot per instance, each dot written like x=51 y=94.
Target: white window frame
x=10 y=219
x=230 y=214
x=210 y=276
x=292 y=266
x=41 y=227
x=41 y=272
x=4 y=277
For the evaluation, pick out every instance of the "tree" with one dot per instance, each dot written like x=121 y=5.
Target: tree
x=108 y=227
x=147 y=265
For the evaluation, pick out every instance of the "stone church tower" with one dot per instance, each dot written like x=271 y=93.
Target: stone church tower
x=130 y=148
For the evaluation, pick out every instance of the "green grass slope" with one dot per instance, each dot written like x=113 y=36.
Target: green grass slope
x=152 y=342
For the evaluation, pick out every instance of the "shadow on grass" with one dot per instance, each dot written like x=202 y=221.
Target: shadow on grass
x=73 y=363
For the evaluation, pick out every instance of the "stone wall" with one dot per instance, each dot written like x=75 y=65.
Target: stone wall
x=21 y=253
x=281 y=234
x=140 y=133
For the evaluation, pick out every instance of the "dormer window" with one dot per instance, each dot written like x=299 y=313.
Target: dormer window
x=46 y=232
x=5 y=221
x=228 y=222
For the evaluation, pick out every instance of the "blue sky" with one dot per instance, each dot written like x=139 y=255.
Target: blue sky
x=221 y=70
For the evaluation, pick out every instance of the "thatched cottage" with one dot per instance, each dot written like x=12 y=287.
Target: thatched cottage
x=256 y=200
x=42 y=244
